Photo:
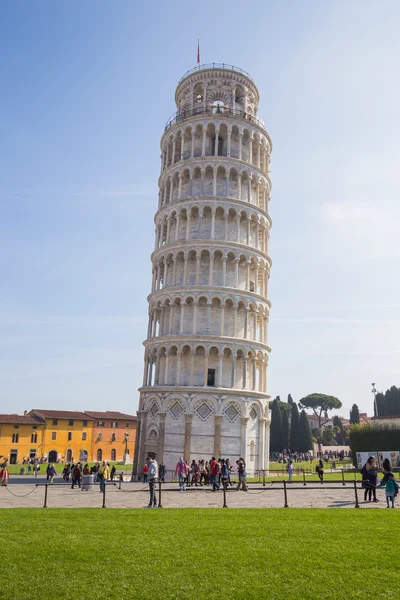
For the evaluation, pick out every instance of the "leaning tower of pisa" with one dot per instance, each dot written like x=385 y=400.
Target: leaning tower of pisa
x=204 y=389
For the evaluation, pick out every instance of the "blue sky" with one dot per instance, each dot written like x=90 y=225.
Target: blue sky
x=86 y=91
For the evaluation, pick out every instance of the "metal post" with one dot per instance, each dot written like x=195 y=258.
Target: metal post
x=104 y=496
x=264 y=478
x=224 y=491
x=159 y=493
x=45 y=496
x=343 y=483
x=356 y=494
x=285 y=493
x=121 y=478
x=304 y=477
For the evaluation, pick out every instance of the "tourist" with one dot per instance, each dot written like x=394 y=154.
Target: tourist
x=4 y=475
x=112 y=474
x=94 y=471
x=392 y=488
x=195 y=473
x=242 y=474
x=102 y=475
x=51 y=472
x=153 y=475
x=35 y=469
x=214 y=474
x=229 y=467
x=162 y=472
x=289 y=469
x=320 y=470
x=66 y=472
x=145 y=472
x=181 y=473
x=224 y=473
x=86 y=470
x=369 y=479
x=76 y=476
x=187 y=472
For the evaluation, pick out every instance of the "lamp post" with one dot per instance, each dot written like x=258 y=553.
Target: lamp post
x=375 y=403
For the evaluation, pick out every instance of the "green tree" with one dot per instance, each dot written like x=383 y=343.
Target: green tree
x=276 y=427
x=320 y=404
x=328 y=435
x=294 y=428
x=354 y=415
x=285 y=430
x=388 y=403
x=290 y=400
x=305 y=438
x=340 y=435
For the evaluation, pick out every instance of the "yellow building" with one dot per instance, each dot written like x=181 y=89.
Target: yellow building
x=21 y=437
x=67 y=436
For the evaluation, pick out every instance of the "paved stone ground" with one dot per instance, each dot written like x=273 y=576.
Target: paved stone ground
x=135 y=495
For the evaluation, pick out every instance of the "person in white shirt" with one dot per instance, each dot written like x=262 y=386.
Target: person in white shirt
x=153 y=476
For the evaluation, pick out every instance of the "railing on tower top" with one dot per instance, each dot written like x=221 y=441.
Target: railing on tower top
x=216 y=66
x=209 y=110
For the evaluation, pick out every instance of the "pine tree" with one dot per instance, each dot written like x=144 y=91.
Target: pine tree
x=285 y=430
x=305 y=438
x=294 y=429
x=290 y=400
x=340 y=435
x=276 y=427
x=354 y=415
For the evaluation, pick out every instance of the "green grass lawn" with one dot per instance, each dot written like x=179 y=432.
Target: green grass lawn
x=15 y=469
x=286 y=554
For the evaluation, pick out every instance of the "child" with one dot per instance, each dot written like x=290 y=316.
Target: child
x=392 y=488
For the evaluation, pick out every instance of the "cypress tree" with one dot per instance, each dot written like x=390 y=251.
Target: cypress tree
x=294 y=429
x=276 y=427
x=305 y=438
x=354 y=415
x=290 y=400
x=285 y=430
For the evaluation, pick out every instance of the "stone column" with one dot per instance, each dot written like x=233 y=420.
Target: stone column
x=161 y=438
x=192 y=148
x=194 y=317
x=222 y=317
x=217 y=436
x=237 y=260
x=180 y=187
x=156 y=376
x=227 y=185
x=188 y=224
x=220 y=369
x=224 y=259
x=244 y=384
x=166 y=368
x=212 y=224
x=243 y=438
x=235 y=315
x=216 y=142
x=191 y=368
x=266 y=448
x=173 y=150
x=233 y=377
x=188 y=435
x=210 y=275
x=205 y=369
x=251 y=151
x=203 y=147
x=182 y=317
x=249 y=190
x=178 y=368
x=142 y=440
x=215 y=182
x=198 y=268
x=171 y=318
x=173 y=271
x=228 y=152
x=240 y=145
x=254 y=374
x=246 y=322
x=261 y=443
x=202 y=172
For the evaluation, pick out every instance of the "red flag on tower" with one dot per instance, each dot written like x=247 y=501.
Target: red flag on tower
x=198 y=52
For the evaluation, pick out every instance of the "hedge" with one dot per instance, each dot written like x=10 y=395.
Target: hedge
x=370 y=438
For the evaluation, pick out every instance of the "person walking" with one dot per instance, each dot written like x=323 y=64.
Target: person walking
x=320 y=470
x=76 y=476
x=242 y=474
x=153 y=476
x=289 y=469
x=51 y=472
x=214 y=474
x=224 y=473
x=392 y=488
x=103 y=475
x=4 y=476
x=181 y=473
x=112 y=474
x=145 y=472
x=86 y=470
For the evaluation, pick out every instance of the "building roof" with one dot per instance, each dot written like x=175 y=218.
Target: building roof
x=21 y=419
x=113 y=415
x=60 y=414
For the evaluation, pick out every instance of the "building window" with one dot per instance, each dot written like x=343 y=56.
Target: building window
x=54 y=435
x=84 y=436
x=71 y=422
x=85 y=423
x=16 y=426
x=127 y=425
x=114 y=424
x=15 y=437
x=34 y=427
x=34 y=438
x=211 y=377
x=99 y=454
x=100 y=424
x=55 y=421
x=113 y=455
x=69 y=436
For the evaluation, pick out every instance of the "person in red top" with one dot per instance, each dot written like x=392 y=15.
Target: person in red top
x=145 y=472
x=214 y=474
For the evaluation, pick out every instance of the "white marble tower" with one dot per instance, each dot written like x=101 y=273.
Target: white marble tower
x=204 y=387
